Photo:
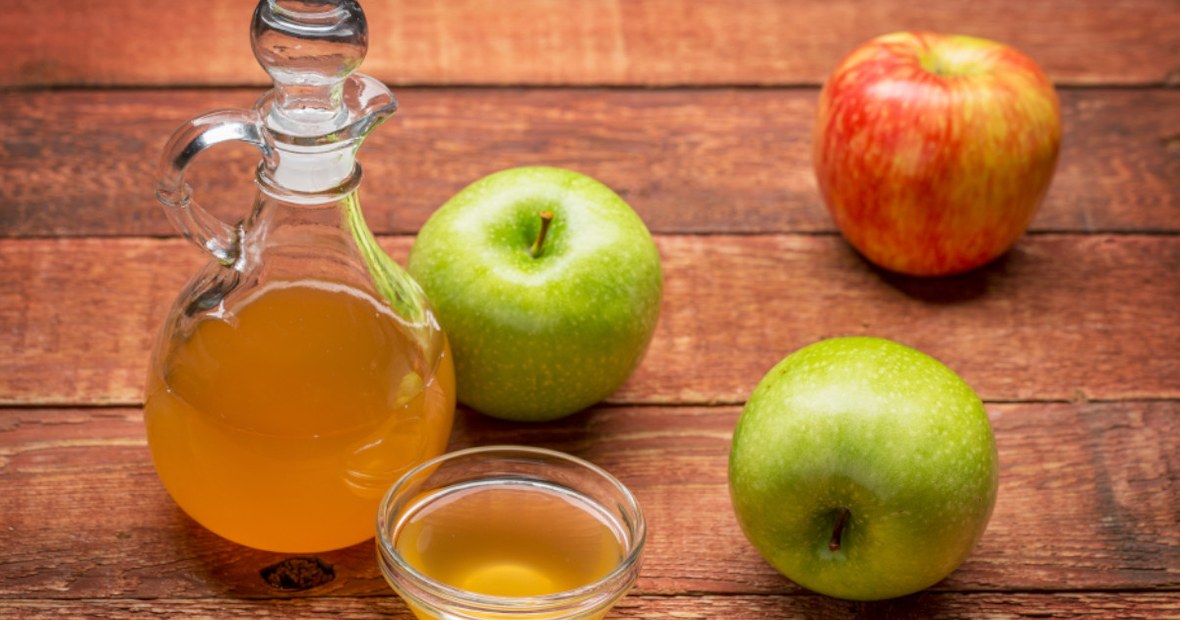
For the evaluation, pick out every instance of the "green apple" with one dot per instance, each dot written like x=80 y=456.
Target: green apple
x=548 y=286
x=863 y=469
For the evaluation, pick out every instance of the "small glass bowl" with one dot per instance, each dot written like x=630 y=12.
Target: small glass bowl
x=511 y=466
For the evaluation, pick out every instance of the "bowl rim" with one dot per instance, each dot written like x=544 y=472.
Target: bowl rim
x=601 y=591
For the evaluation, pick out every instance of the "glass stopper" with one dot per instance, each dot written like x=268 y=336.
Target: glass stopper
x=309 y=48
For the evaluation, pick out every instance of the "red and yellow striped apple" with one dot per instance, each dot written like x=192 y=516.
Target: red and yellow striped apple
x=933 y=151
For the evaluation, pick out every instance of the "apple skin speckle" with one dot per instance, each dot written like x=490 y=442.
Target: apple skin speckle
x=882 y=430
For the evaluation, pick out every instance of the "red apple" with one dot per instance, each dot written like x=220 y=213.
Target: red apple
x=933 y=151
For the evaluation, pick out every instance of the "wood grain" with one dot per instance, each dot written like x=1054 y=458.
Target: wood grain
x=605 y=42
x=689 y=161
x=933 y=605
x=1061 y=317
x=1087 y=502
x=698 y=113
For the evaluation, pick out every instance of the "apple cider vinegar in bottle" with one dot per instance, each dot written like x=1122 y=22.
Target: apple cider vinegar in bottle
x=301 y=372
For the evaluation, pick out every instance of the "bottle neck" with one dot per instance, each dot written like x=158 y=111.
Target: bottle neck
x=286 y=223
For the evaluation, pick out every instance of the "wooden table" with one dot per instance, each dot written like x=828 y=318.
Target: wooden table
x=698 y=113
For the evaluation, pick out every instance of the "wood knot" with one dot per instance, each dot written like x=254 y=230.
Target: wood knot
x=1171 y=143
x=294 y=574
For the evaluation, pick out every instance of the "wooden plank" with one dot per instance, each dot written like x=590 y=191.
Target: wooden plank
x=735 y=161
x=1087 y=502
x=648 y=42
x=1104 y=605
x=1061 y=317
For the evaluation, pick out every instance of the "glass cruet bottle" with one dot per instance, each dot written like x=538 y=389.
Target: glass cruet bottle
x=301 y=372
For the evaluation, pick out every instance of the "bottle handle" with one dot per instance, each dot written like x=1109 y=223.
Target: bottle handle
x=216 y=237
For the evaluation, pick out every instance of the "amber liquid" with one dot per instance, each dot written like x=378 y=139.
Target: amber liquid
x=510 y=539
x=280 y=425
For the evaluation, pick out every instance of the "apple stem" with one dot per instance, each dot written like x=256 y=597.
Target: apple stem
x=538 y=244
x=841 y=520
